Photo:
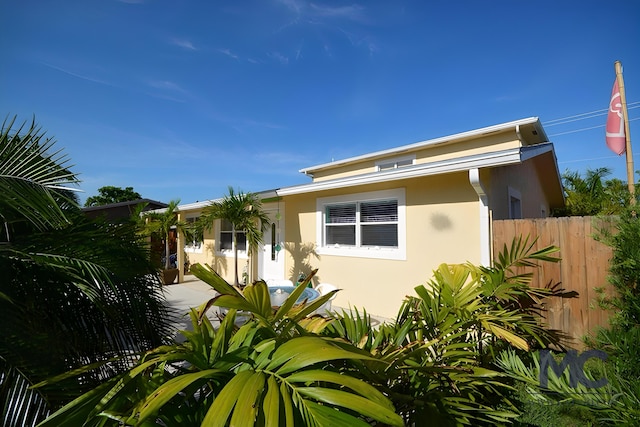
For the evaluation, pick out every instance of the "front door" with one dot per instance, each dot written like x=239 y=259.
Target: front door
x=271 y=252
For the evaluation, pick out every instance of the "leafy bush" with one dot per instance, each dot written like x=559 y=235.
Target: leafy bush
x=286 y=366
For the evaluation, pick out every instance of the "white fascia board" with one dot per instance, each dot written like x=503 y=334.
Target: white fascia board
x=532 y=151
x=199 y=205
x=499 y=158
x=189 y=206
x=428 y=143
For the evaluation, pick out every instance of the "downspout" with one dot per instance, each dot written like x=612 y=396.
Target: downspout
x=180 y=251
x=519 y=135
x=485 y=220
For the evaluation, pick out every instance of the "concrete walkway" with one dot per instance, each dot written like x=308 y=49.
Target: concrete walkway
x=193 y=292
x=190 y=293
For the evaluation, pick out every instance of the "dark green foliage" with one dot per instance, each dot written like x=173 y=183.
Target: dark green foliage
x=285 y=366
x=592 y=194
x=160 y=224
x=110 y=194
x=625 y=267
x=73 y=291
x=551 y=414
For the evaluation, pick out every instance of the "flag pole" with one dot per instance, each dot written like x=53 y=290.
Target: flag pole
x=625 y=118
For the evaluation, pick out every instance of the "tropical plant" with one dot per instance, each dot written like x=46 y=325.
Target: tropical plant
x=616 y=403
x=286 y=366
x=593 y=194
x=245 y=214
x=440 y=349
x=161 y=222
x=74 y=291
x=110 y=194
x=275 y=369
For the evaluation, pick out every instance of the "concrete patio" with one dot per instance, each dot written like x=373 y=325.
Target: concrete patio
x=193 y=292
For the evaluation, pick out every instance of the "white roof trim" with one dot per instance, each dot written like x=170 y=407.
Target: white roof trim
x=499 y=158
x=199 y=205
x=428 y=143
x=535 y=150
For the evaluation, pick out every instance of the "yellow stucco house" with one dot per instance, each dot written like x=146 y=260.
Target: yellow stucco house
x=378 y=224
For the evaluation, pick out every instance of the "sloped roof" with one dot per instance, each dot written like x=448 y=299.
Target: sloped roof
x=114 y=211
x=499 y=158
x=535 y=134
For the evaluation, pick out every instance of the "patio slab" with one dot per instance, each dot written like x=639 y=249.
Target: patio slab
x=192 y=292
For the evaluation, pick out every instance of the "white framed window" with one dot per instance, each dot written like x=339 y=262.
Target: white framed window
x=395 y=163
x=193 y=239
x=371 y=225
x=225 y=239
x=515 y=204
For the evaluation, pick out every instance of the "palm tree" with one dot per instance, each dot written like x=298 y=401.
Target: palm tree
x=162 y=222
x=593 y=194
x=244 y=213
x=73 y=290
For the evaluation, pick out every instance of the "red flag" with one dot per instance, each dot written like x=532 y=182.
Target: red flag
x=615 y=123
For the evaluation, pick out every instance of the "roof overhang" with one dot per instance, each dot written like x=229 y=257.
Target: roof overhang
x=529 y=131
x=126 y=203
x=498 y=158
x=267 y=194
x=546 y=164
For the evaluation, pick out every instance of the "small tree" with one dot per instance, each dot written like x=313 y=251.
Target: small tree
x=593 y=194
x=244 y=212
x=110 y=194
x=161 y=223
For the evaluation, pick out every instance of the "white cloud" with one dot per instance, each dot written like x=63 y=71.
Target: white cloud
x=168 y=90
x=78 y=75
x=279 y=57
x=228 y=53
x=294 y=5
x=184 y=43
x=353 y=12
x=325 y=18
x=165 y=84
x=310 y=11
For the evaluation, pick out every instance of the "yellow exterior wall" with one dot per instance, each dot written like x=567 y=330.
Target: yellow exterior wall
x=442 y=223
x=224 y=265
x=524 y=179
x=476 y=146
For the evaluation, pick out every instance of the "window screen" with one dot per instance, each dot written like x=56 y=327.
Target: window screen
x=367 y=223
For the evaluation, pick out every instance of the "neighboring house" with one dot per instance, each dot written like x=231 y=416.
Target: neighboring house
x=377 y=225
x=121 y=210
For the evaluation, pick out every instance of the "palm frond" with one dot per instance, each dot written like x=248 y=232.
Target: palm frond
x=32 y=178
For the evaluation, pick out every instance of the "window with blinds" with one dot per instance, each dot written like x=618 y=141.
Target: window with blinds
x=340 y=224
x=379 y=223
x=362 y=224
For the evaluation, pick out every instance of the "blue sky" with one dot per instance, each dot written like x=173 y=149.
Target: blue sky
x=180 y=99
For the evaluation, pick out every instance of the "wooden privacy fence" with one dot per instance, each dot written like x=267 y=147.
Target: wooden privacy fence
x=583 y=268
